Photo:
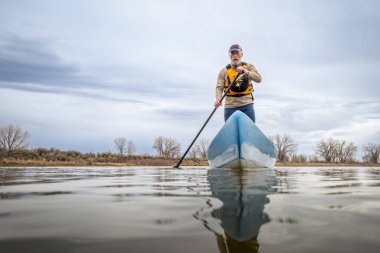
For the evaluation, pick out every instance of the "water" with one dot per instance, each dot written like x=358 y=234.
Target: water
x=151 y=209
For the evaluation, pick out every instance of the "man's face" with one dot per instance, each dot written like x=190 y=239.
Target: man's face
x=236 y=56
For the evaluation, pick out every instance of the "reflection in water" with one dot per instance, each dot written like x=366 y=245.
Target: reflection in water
x=17 y=195
x=244 y=195
x=338 y=174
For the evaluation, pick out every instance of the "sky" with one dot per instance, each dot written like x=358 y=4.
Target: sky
x=78 y=74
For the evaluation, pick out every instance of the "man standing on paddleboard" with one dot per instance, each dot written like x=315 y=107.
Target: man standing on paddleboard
x=239 y=97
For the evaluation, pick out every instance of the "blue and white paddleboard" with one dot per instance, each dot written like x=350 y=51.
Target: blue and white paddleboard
x=241 y=144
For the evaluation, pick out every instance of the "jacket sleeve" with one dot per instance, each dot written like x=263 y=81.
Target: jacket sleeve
x=220 y=84
x=253 y=74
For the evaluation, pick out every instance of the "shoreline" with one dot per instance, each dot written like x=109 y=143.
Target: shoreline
x=161 y=162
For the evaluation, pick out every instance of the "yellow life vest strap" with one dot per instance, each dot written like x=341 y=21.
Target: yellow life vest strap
x=237 y=90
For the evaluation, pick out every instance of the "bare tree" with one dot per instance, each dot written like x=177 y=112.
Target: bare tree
x=298 y=158
x=327 y=149
x=192 y=153
x=166 y=146
x=131 y=147
x=120 y=144
x=285 y=146
x=13 y=138
x=371 y=153
x=331 y=150
x=313 y=158
x=201 y=148
x=345 y=151
x=158 y=145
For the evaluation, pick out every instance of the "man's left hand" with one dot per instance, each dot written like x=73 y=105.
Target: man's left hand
x=240 y=69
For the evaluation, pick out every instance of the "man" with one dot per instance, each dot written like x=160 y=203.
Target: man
x=240 y=96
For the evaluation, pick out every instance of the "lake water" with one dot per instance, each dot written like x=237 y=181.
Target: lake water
x=155 y=209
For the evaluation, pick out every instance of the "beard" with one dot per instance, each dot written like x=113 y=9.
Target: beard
x=236 y=63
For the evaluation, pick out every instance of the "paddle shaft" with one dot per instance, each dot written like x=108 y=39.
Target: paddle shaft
x=238 y=76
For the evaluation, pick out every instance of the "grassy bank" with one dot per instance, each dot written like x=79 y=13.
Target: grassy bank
x=133 y=162
x=41 y=157
x=159 y=161
x=324 y=164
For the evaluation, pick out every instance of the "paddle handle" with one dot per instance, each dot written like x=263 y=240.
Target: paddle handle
x=238 y=76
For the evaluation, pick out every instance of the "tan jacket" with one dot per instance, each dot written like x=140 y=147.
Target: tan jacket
x=231 y=102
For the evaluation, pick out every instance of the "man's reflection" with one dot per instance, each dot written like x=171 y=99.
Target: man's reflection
x=244 y=194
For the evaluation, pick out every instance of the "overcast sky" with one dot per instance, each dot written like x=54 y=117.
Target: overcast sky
x=78 y=74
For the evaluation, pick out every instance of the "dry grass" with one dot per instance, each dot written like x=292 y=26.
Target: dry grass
x=324 y=164
x=136 y=162
x=157 y=161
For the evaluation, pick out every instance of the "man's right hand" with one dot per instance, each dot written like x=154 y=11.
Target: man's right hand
x=217 y=103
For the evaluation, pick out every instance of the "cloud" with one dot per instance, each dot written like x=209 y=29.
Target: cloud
x=32 y=65
x=25 y=60
x=317 y=32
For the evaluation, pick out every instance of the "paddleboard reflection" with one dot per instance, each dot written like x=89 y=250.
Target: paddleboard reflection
x=243 y=194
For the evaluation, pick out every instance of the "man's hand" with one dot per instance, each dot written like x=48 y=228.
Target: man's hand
x=240 y=69
x=217 y=104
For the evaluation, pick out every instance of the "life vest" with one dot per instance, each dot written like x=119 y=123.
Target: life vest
x=242 y=87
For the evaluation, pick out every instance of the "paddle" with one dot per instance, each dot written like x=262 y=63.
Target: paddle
x=238 y=76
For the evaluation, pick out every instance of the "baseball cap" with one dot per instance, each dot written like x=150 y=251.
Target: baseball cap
x=235 y=47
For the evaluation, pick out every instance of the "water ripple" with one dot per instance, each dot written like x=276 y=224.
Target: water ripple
x=114 y=208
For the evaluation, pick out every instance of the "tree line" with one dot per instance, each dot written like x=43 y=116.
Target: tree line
x=328 y=150
x=165 y=147
x=13 y=140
